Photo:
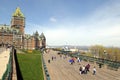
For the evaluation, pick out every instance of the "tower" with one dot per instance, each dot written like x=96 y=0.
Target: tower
x=18 y=21
x=43 y=40
x=36 y=40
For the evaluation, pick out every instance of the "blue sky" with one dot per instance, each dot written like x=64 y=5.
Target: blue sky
x=69 y=22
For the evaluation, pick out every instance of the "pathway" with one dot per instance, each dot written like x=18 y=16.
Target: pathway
x=4 y=57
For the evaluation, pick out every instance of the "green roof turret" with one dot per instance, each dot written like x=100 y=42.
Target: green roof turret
x=18 y=13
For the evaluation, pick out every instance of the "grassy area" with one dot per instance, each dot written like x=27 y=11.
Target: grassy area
x=31 y=66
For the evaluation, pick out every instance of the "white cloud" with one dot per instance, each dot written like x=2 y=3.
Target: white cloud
x=53 y=19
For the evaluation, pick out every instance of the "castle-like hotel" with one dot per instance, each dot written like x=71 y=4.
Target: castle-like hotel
x=14 y=34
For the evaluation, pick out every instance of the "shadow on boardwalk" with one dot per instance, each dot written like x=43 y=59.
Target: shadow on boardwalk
x=19 y=74
x=61 y=69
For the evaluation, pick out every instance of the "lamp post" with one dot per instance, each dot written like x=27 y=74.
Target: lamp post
x=2 y=38
x=27 y=42
x=14 y=38
x=14 y=43
x=105 y=54
x=115 y=57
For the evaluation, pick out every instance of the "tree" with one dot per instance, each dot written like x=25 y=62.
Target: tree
x=110 y=53
x=97 y=51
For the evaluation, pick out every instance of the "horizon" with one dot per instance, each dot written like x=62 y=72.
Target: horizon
x=64 y=22
x=81 y=46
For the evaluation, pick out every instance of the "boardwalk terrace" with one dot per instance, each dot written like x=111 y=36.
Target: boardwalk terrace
x=61 y=69
x=14 y=34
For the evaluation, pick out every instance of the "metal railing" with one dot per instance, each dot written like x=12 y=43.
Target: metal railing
x=110 y=64
x=47 y=76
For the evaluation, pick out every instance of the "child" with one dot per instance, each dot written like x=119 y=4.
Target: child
x=94 y=70
x=80 y=69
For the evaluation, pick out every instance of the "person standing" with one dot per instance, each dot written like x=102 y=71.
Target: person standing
x=49 y=61
x=87 y=67
x=100 y=65
x=80 y=69
x=83 y=69
x=78 y=60
x=94 y=70
x=52 y=58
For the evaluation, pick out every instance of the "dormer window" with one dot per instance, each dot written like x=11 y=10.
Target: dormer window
x=17 y=27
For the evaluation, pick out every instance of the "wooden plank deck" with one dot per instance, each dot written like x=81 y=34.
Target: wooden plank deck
x=61 y=69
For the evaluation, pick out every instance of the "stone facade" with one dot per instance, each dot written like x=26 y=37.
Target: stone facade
x=14 y=34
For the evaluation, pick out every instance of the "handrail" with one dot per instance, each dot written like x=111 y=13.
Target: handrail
x=109 y=63
x=47 y=76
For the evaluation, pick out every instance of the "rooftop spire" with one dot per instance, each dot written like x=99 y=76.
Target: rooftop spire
x=42 y=35
x=18 y=13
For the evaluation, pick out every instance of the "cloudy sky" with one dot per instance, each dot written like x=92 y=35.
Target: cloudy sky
x=69 y=22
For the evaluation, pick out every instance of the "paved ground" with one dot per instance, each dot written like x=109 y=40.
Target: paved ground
x=4 y=57
x=61 y=69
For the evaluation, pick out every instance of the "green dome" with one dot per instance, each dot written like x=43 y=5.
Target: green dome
x=18 y=13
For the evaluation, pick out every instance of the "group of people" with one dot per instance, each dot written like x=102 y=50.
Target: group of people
x=53 y=57
x=72 y=60
x=84 y=69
